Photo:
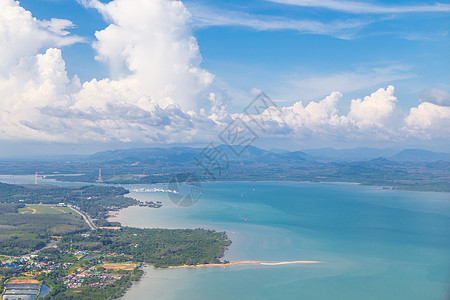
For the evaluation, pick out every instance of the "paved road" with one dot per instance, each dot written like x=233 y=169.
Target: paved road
x=86 y=218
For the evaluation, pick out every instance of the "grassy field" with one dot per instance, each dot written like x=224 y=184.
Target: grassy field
x=46 y=209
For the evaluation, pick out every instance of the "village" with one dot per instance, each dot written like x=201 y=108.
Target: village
x=84 y=269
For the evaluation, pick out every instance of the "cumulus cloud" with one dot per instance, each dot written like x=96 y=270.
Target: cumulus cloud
x=373 y=118
x=22 y=35
x=158 y=90
x=150 y=100
x=39 y=102
x=374 y=110
x=36 y=82
x=150 y=46
x=429 y=120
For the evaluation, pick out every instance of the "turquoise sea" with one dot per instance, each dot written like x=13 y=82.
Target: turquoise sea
x=374 y=243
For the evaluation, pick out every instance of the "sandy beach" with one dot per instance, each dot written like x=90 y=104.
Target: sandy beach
x=250 y=262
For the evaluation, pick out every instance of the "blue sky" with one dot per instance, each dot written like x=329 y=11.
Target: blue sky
x=294 y=50
x=415 y=46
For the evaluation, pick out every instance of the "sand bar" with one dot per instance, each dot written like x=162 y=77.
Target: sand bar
x=250 y=262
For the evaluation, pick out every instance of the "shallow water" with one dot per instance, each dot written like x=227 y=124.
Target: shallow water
x=374 y=243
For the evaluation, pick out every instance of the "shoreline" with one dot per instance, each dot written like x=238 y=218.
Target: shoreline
x=247 y=262
x=317 y=181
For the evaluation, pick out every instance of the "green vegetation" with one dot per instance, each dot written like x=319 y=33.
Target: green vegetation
x=46 y=209
x=28 y=229
x=418 y=176
x=158 y=247
x=23 y=233
x=94 y=200
x=10 y=207
x=409 y=169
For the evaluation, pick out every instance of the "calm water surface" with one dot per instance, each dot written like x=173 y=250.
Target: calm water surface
x=374 y=243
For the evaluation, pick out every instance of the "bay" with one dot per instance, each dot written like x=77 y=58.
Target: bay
x=373 y=243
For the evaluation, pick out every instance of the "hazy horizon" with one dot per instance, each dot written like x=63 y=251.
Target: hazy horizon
x=61 y=151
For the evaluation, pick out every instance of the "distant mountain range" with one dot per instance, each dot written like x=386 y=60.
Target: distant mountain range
x=251 y=153
x=412 y=169
x=186 y=154
x=418 y=155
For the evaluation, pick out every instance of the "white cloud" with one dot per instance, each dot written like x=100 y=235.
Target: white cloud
x=429 y=121
x=33 y=84
x=39 y=102
x=149 y=47
x=374 y=110
x=159 y=89
x=150 y=101
x=204 y=16
x=339 y=26
x=374 y=118
x=22 y=35
x=58 y=26
x=435 y=96
x=367 y=8
x=316 y=118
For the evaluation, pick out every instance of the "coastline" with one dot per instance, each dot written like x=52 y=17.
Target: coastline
x=380 y=185
x=388 y=185
x=247 y=262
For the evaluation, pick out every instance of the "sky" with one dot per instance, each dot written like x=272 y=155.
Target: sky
x=88 y=75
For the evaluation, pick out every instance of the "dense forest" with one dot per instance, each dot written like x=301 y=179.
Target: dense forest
x=23 y=233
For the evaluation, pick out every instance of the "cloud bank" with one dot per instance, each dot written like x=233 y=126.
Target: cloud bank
x=373 y=118
x=158 y=92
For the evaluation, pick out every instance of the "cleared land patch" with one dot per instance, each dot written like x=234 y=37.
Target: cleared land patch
x=46 y=209
x=120 y=266
x=22 y=280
